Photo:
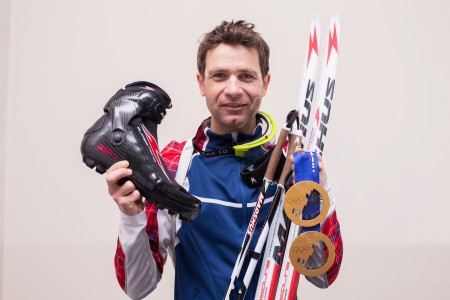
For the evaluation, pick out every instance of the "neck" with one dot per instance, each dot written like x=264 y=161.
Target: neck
x=234 y=128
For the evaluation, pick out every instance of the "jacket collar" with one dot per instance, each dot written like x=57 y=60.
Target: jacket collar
x=207 y=140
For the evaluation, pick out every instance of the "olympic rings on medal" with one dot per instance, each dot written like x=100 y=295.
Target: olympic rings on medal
x=304 y=246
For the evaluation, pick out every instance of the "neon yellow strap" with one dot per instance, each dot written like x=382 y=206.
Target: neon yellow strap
x=240 y=150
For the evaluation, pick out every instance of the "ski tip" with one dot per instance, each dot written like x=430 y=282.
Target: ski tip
x=315 y=24
x=315 y=18
x=335 y=18
x=335 y=14
x=334 y=39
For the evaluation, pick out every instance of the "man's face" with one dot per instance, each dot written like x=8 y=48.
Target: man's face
x=233 y=87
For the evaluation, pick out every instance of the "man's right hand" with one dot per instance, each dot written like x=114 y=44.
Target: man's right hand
x=126 y=196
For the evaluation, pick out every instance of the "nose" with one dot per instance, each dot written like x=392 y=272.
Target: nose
x=233 y=87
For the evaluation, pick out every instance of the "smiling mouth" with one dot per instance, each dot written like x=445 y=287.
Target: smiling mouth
x=233 y=105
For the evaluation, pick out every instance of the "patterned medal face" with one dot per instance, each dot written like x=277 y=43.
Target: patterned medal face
x=296 y=199
x=303 y=248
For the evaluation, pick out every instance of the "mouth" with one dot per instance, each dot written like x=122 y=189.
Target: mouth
x=233 y=105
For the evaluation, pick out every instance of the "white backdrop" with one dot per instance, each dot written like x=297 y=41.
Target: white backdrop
x=386 y=151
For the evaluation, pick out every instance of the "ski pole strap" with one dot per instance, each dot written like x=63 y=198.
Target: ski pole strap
x=306 y=168
x=253 y=174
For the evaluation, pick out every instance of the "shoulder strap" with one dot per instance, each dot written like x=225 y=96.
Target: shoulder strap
x=184 y=164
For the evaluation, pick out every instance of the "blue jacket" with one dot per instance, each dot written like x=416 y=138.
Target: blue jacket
x=209 y=245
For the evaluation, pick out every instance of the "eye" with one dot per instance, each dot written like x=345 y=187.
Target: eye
x=218 y=75
x=247 y=76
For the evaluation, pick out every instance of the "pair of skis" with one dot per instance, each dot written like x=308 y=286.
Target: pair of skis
x=278 y=279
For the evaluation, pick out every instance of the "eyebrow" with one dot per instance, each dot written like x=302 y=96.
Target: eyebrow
x=250 y=71
x=216 y=70
x=223 y=70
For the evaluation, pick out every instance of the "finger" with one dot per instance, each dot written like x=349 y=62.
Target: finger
x=130 y=198
x=320 y=161
x=127 y=188
x=323 y=174
x=113 y=178
x=117 y=174
x=299 y=149
x=130 y=204
x=118 y=165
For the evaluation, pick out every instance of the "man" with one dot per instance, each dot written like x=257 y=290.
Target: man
x=233 y=76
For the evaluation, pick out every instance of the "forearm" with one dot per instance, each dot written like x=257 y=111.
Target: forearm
x=138 y=264
x=331 y=228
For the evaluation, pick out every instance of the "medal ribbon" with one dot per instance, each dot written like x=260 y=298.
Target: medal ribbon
x=306 y=168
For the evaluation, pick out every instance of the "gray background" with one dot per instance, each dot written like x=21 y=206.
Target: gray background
x=386 y=151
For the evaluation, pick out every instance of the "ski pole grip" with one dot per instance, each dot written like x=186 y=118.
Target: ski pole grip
x=276 y=154
x=293 y=143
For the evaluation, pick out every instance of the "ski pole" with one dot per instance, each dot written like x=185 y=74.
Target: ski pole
x=256 y=253
x=268 y=178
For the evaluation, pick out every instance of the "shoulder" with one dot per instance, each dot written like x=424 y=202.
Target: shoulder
x=173 y=148
x=171 y=155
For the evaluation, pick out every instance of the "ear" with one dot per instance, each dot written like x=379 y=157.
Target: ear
x=266 y=81
x=200 y=82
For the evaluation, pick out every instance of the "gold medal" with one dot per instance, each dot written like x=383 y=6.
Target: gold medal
x=303 y=248
x=296 y=199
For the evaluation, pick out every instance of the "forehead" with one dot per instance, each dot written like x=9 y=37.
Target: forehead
x=232 y=56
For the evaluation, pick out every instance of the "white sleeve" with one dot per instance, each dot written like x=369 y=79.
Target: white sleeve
x=141 y=269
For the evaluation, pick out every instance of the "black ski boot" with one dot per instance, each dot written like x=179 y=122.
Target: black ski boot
x=127 y=131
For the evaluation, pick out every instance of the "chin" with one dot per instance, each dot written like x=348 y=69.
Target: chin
x=233 y=124
x=239 y=126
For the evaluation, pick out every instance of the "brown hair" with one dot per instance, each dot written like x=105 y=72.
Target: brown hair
x=234 y=33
